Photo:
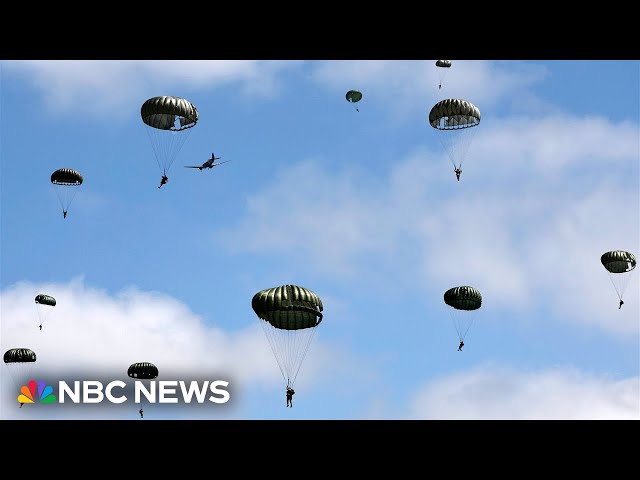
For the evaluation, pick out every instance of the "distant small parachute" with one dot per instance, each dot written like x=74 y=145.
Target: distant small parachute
x=464 y=301
x=453 y=120
x=443 y=68
x=142 y=371
x=353 y=96
x=620 y=266
x=66 y=182
x=289 y=315
x=170 y=120
x=20 y=362
x=43 y=305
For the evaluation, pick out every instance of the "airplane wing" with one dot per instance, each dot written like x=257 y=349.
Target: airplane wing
x=216 y=164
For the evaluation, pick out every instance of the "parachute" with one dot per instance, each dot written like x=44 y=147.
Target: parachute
x=289 y=315
x=20 y=362
x=443 y=68
x=353 y=96
x=43 y=305
x=66 y=182
x=142 y=371
x=620 y=266
x=464 y=302
x=170 y=120
x=453 y=120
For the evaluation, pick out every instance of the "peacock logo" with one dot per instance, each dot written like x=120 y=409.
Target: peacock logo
x=28 y=392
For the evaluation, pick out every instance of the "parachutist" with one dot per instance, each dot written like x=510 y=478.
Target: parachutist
x=290 y=392
x=439 y=86
x=21 y=405
x=141 y=412
x=458 y=172
x=460 y=346
x=64 y=212
x=621 y=303
x=40 y=326
x=164 y=180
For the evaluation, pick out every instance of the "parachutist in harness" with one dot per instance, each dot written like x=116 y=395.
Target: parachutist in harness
x=21 y=405
x=458 y=172
x=439 y=86
x=460 y=346
x=64 y=212
x=621 y=303
x=141 y=412
x=164 y=180
x=290 y=392
x=40 y=326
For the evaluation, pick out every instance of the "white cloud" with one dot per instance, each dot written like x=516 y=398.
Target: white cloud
x=524 y=236
x=93 y=332
x=105 y=88
x=496 y=393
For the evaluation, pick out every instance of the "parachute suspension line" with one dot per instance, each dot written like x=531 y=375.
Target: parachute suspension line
x=271 y=337
x=304 y=353
x=622 y=285
x=462 y=321
x=289 y=347
x=166 y=145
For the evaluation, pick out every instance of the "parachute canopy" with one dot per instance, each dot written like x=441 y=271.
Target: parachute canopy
x=143 y=370
x=19 y=355
x=289 y=315
x=66 y=176
x=618 y=261
x=288 y=307
x=43 y=299
x=463 y=298
x=443 y=63
x=162 y=113
x=453 y=114
x=353 y=96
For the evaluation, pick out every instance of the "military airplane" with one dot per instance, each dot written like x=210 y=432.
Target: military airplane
x=210 y=163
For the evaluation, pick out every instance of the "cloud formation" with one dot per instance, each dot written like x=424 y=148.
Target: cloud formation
x=497 y=393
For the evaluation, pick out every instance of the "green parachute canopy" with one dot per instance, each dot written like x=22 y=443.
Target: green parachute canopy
x=463 y=298
x=289 y=315
x=19 y=362
x=19 y=355
x=464 y=301
x=66 y=176
x=288 y=307
x=143 y=370
x=43 y=299
x=618 y=261
x=454 y=114
x=170 y=120
x=353 y=96
x=620 y=266
x=169 y=113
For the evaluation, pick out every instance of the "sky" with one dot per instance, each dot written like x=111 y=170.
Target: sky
x=362 y=207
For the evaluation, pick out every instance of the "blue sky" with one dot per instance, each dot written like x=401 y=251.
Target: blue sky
x=363 y=208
